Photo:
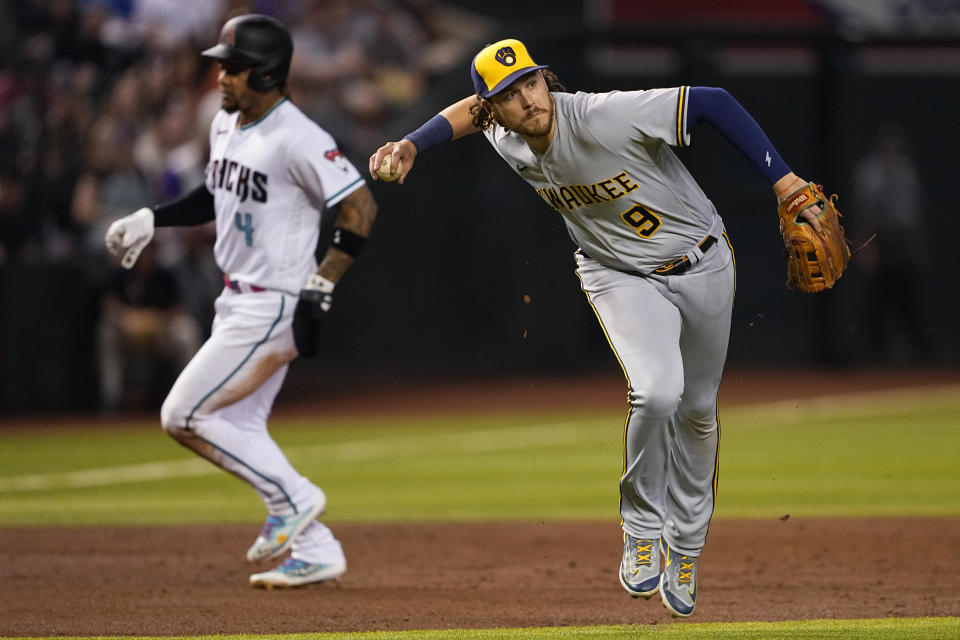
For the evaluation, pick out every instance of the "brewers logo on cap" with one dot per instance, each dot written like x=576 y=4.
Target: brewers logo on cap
x=499 y=64
x=506 y=56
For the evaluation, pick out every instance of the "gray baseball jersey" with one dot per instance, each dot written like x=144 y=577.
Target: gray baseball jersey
x=632 y=208
x=626 y=198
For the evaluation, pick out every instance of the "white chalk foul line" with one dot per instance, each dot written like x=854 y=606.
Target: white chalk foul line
x=107 y=475
x=537 y=436
x=532 y=437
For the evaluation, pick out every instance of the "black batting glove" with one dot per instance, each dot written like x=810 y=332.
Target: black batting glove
x=316 y=300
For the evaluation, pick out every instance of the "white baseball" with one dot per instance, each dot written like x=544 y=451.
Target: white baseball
x=384 y=171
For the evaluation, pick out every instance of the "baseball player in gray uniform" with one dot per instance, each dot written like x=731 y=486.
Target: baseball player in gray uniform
x=654 y=261
x=272 y=174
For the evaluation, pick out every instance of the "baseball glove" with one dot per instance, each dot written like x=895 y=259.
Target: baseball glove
x=815 y=261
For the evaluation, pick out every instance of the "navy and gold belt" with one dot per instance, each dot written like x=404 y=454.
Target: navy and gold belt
x=682 y=264
x=675 y=267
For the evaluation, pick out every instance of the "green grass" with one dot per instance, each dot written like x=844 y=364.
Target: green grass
x=881 y=629
x=875 y=455
x=871 y=455
x=892 y=456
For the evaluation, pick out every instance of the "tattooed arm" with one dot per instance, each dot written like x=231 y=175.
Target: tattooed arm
x=354 y=220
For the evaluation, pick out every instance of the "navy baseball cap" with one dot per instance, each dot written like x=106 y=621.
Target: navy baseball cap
x=499 y=64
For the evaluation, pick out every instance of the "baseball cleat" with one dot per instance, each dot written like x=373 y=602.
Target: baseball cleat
x=640 y=566
x=279 y=532
x=294 y=573
x=678 y=584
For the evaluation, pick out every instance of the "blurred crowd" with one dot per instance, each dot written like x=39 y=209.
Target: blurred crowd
x=105 y=107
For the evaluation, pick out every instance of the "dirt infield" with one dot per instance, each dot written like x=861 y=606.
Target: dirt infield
x=739 y=387
x=192 y=580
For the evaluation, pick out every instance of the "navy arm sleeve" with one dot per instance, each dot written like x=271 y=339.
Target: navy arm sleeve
x=737 y=126
x=192 y=209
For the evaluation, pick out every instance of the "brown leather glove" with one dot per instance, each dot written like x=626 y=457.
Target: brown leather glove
x=815 y=260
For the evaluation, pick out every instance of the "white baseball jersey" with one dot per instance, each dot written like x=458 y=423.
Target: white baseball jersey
x=626 y=198
x=271 y=180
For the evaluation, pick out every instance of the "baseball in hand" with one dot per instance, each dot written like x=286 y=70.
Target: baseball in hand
x=384 y=171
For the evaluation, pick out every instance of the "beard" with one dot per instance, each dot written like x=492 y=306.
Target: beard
x=536 y=127
x=533 y=127
x=231 y=103
x=228 y=104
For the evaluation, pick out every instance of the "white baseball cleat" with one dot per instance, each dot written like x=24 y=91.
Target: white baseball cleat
x=279 y=532
x=295 y=573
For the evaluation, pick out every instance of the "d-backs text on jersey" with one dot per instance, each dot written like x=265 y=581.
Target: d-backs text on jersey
x=244 y=181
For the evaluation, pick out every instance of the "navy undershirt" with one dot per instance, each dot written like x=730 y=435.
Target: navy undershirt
x=737 y=126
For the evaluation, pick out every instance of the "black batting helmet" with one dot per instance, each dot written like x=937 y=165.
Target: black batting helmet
x=259 y=42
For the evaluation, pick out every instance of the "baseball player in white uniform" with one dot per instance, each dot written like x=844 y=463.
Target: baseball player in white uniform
x=272 y=174
x=654 y=261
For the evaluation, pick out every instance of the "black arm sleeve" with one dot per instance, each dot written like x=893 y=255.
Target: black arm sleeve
x=192 y=209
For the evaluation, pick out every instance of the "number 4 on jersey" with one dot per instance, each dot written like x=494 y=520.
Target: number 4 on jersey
x=244 y=222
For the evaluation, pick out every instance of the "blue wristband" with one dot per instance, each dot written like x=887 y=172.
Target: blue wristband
x=434 y=131
x=734 y=123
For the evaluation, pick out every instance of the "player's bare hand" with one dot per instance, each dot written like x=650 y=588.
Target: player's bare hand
x=401 y=155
